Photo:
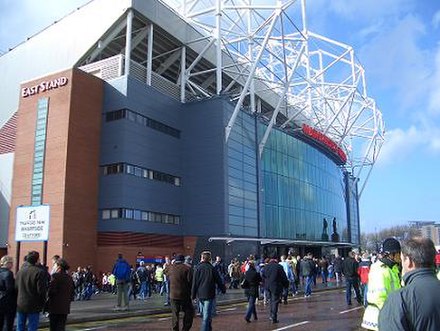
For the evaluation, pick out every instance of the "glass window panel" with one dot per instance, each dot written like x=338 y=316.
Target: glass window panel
x=106 y=214
x=115 y=213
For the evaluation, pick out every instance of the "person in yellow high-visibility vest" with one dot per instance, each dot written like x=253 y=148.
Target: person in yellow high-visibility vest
x=384 y=278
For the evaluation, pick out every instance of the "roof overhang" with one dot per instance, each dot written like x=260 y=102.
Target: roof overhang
x=274 y=241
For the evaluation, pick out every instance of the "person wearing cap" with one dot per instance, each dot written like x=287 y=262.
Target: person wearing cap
x=142 y=276
x=383 y=279
x=417 y=305
x=180 y=276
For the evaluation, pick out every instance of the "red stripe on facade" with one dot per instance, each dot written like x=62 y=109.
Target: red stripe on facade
x=138 y=239
x=8 y=134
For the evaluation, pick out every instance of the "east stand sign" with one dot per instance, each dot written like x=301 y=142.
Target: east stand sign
x=32 y=223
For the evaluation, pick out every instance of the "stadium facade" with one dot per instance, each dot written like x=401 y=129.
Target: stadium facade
x=154 y=127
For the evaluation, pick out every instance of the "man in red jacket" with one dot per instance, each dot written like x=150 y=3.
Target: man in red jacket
x=363 y=270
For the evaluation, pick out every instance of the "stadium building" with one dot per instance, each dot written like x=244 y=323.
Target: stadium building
x=160 y=127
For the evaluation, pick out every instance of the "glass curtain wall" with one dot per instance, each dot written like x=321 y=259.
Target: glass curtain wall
x=242 y=178
x=302 y=191
x=353 y=209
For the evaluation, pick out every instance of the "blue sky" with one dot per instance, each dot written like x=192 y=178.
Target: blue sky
x=398 y=43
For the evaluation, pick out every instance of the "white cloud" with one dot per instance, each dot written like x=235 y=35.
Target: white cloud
x=436 y=20
x=434 y=86
x=396 y=63
x=368 y=10
x=401 y=144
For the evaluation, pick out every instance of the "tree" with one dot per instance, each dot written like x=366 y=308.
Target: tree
x=372 y=241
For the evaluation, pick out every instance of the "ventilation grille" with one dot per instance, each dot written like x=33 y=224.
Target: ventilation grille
x=7 y=135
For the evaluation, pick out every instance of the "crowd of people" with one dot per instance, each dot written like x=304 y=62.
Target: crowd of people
x=397 y=286
x=34 y=290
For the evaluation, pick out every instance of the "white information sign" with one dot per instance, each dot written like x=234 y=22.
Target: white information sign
x=32 y=223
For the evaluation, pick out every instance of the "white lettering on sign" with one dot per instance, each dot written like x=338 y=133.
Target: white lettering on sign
x=44 y=86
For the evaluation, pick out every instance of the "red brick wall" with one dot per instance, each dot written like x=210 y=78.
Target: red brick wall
x=71 y=165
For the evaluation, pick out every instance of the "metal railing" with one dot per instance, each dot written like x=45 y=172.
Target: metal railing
x=113 y=67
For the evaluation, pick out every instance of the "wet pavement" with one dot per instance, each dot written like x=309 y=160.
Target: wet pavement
x=323 y=308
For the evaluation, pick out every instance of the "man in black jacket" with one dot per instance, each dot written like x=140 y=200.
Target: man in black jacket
x=350 y=270
x=416 y=306
x=8 y=297
x=275 y=280
x=203 y=287
x=31 y=284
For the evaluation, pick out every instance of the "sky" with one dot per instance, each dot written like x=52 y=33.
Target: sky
x=398 y=44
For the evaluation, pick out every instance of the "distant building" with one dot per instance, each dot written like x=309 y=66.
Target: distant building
x=431 y=231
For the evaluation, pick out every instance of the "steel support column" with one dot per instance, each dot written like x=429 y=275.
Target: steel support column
x=128 y=42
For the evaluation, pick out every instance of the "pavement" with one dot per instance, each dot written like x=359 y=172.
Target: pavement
x=101 y=306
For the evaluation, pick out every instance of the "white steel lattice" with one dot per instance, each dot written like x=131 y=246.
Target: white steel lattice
x=266 y=47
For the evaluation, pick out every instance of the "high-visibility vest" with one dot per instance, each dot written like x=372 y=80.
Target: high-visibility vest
x=158 y=275
x=382 y=280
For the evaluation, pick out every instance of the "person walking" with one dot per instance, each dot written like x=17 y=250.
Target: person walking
x=307 y=271
x=252 y=280
x=60 y=294
x=363 y=271
x=180 y=276
x=8 y=297
x=275 y=281
x=289 y=274
x=203 y=287
x=350 y=270
x=417 y=305
x=122 y=272
x=31 y=286
x=142 y=276
x=337 y=263
x=384 y=278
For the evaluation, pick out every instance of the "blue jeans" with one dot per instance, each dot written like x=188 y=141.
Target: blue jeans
x=206 y=307
x=143 y=291
x=352 y=282
x=308 y=287
x=364 y=288
x=251 y=308
x=33 y=320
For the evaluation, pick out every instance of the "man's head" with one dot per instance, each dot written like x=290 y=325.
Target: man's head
x=62 y=264
x=417 y=253
x=6 y=262
x=179 y=258
x=33 y=257
x=218 y=259
x=205 y=256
